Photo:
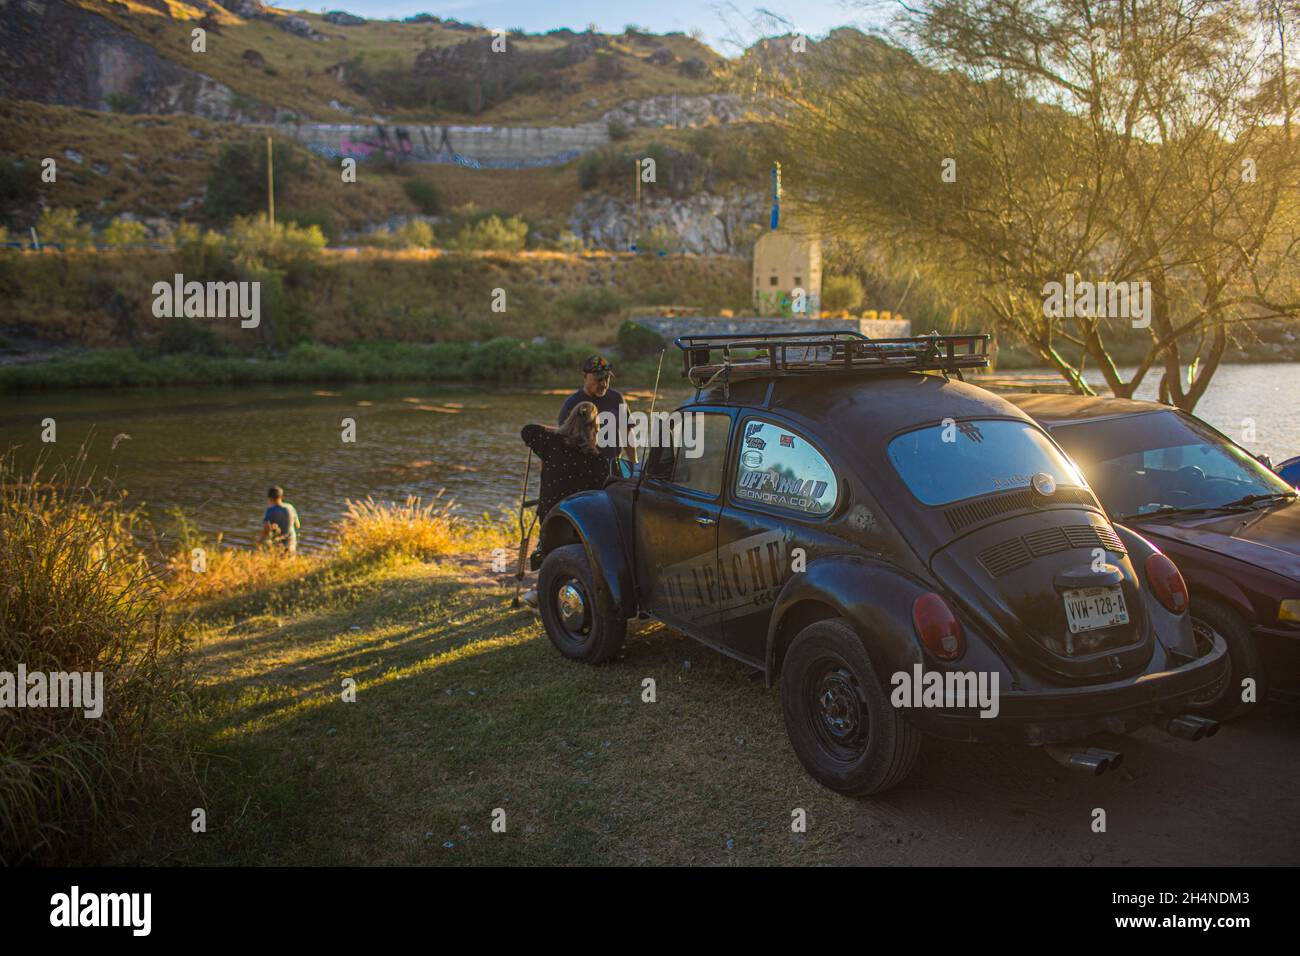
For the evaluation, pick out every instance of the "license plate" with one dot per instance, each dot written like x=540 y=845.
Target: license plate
x=1088 y=609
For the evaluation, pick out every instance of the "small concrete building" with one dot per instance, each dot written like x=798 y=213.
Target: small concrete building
x=785 y=260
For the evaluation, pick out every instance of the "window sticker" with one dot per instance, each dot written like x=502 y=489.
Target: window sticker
x=791 y=474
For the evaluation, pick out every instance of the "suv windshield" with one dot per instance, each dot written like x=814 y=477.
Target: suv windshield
x=1164 y=461
x=955 y=460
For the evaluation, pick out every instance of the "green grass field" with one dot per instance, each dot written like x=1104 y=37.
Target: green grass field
x=463 y=707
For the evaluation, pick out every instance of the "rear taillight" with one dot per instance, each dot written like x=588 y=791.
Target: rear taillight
x=937 y=627
x=1167 y=583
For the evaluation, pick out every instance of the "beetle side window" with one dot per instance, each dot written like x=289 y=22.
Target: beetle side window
x=698 y=452
x=781 y=469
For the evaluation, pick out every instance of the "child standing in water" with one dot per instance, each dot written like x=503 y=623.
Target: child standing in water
x=280 y=520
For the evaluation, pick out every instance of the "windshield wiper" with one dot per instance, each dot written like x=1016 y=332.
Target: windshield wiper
x=1254 y=499
x=1240 y=503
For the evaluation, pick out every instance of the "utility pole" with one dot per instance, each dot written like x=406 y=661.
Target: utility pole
x=270 y=183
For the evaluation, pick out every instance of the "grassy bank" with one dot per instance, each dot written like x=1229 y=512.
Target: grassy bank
x=462 y=708
x=375 y=704
x=502 y=361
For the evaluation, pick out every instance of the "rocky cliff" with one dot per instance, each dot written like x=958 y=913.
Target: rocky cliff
x=704 y=223
x=54 y=52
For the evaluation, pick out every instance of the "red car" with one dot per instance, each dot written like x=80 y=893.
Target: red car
x=1230 y=524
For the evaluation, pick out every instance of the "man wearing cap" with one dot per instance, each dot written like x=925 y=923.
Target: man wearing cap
x=597 y=374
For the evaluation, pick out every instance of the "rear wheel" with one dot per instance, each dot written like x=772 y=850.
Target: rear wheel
x=570 y=611
x=838 y=717
x=1223 y=700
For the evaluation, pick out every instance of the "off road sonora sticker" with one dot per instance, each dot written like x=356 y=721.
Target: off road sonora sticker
x=786 y=491
x=747 y=573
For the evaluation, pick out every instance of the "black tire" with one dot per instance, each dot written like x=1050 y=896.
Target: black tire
x=1224 y=701
x=853 y=742
x=581 y=631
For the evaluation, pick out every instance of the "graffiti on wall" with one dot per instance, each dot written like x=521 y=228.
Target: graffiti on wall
x=397 y=145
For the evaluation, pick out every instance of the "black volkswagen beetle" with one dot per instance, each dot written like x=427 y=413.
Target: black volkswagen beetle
x=903 y=552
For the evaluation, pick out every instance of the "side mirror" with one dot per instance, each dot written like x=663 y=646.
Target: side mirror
x=1266 y=461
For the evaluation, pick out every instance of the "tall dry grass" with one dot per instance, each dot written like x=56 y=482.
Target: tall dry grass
x=369 y=531
x=76 y=595
x=201 y=570
x=427 y=530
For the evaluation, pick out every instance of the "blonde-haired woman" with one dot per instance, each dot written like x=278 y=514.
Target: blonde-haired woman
x=571 y=460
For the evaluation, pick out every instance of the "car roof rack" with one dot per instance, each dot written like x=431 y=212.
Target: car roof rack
x=708 y=358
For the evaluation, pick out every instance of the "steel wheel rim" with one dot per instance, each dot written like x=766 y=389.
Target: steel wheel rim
x=837 y=709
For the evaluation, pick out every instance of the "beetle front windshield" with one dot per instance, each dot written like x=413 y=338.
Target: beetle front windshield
x=955 y=460
x=1164 y=461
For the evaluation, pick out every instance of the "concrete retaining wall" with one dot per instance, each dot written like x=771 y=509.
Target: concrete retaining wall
x=491 y=146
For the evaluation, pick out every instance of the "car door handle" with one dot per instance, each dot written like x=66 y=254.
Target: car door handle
x=705 y=521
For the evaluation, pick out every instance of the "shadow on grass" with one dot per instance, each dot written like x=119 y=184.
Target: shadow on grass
x=462 y=709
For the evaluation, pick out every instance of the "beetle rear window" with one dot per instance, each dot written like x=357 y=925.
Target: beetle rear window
x=956 y=460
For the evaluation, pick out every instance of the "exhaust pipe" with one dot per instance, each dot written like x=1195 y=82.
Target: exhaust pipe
x=1113 y=759
x=1092 y=760
x=1188 y=727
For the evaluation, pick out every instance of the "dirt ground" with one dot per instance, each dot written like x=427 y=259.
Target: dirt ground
x=1223 y=801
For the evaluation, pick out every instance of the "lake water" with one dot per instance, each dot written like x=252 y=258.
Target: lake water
x=212 y=452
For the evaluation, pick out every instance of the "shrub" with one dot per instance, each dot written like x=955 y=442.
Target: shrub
x=122 y=232
x=60 y=227
x=323 y=219
x=659 y=239
x=492 y=233
x=609 y=66
x=590 y=169
x=568 y=241
x=119 y=102
x=185 y=336
x=416 y=234
x=618 y=130
x=254 y=237
x=593 y=302
x=424 y=195
x=78 y=598
x=202 y=254
x=841 y=292
x=236 y=186
x=19 y=185
x=636 y=341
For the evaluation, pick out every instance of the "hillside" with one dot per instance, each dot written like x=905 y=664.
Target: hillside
x=261 y=63
x=446 y=121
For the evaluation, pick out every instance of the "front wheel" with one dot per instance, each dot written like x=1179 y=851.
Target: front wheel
x=838 y=717
x=570 y=612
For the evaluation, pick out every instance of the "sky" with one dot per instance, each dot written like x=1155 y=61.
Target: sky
x=722 y=21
